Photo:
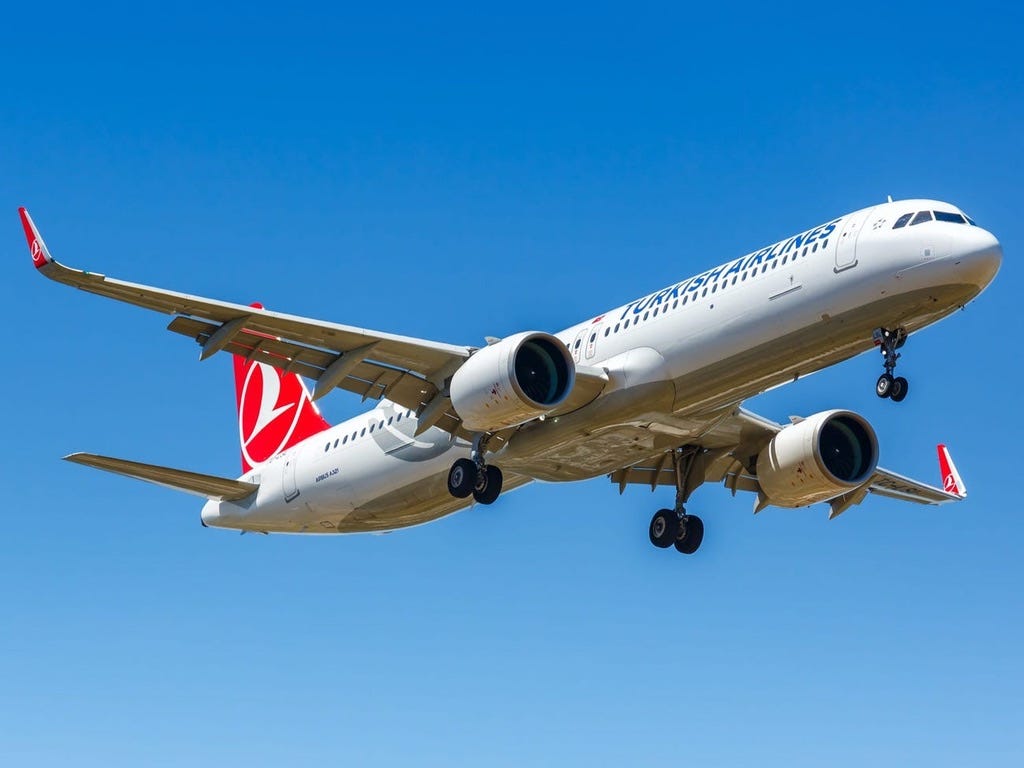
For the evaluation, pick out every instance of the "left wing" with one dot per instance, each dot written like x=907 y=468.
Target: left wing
x=732 y=442
x=408 y=371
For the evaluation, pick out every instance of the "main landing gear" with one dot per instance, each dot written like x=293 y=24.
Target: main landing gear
x=674 y=526
x=475 y=476
x=888 y=342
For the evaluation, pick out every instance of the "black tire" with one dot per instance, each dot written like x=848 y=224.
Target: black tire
x=462 y=478
x=491 y=487
x=899 y=390
x=663 y=528
x=690 y=535
x=884 y=385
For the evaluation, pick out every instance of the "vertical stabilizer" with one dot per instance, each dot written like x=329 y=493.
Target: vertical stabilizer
x=275 y=411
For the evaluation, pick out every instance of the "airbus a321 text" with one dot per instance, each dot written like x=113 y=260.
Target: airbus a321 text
x=648 y=393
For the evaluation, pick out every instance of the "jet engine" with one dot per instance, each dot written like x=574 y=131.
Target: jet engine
x=817 y=459
x=512 y=381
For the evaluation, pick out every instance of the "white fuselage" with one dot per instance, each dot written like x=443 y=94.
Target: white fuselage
x=683 y=353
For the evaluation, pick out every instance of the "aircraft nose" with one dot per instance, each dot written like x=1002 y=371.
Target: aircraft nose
x=978 y=255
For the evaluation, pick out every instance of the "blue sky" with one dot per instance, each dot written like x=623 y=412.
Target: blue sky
x=454 y=172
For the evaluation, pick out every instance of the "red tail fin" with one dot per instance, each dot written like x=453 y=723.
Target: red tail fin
x=275 y=411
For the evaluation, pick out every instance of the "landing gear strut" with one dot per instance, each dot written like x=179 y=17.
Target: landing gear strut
x=888 y=342
x=675 y=526
x=475 y=476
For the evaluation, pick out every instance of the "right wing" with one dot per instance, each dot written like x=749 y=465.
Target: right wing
x=207 y=486
x=408 y=371
x=731 y=441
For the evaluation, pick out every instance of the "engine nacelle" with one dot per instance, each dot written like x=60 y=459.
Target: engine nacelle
x=817 y=459
x=513 y=381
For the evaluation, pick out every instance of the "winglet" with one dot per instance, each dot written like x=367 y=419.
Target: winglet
x=951 y=481
x=40 y=255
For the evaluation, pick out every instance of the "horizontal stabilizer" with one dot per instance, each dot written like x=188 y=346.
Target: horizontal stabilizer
x=208 y=486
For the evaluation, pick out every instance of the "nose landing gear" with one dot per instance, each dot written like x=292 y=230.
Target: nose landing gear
x=674 y=526
x=895 y=388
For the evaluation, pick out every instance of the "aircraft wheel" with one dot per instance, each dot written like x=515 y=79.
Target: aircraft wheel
x=491 y=486
x=663 y=528
x=462 y=478
x=690 y=535
x=884 y=385
x=899 y=389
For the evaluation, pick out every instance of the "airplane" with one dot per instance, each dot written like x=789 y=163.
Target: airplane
x=649 y=393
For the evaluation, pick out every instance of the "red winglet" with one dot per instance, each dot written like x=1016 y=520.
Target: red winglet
x=951 y=481
x=40 y=255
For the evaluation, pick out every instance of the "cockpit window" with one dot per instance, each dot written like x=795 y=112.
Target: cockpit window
x=922 y=217
x=902 y=220
x=952 y=218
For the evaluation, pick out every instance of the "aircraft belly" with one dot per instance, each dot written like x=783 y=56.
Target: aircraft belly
x=821 y=342
x=612 y=432
x=414 y=503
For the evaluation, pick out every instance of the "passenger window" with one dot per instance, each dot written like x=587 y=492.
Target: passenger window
x=646 y=315
x=371 y=428
x=335 y=443
x=344 y=439
x=626 y=324
x=953 y=218
x=390 y=420
x=617 y=327
x=922 y=217
x=327 y=447
x=606 y=332
x=902 y=220
x=685 y=299
x=398 y=418
x=675 y=304
x=362 y=432
x=814 y=248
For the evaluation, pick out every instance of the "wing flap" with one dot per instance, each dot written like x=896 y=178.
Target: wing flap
x=207 y=486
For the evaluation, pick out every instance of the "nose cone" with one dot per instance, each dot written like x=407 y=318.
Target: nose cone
x=977 y=255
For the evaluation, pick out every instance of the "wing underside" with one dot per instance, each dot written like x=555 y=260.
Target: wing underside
x=408 y=371
x=207 y=486
x=731 y=445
